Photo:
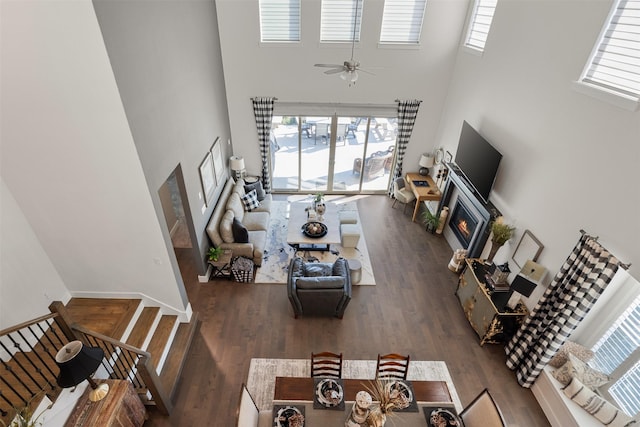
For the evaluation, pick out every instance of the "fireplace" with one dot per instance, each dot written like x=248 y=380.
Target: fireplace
x=468 y=222
x=463 y=223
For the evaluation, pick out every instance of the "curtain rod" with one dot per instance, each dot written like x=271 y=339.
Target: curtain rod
x=272 y=97
x=623 y=265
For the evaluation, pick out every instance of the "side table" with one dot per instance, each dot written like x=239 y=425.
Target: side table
x=120 y=407
x=222 y=267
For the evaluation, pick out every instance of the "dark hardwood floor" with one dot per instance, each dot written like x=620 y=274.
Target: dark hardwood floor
x=412 y=310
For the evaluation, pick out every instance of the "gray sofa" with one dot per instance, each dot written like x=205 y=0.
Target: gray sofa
x=230 y=206
x=319 y=288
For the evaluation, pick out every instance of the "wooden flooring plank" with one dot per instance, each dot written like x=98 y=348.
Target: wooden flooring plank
x=108 y=316
x=161 y=337
x=141 y=329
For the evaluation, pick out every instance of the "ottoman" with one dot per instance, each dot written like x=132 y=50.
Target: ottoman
x=350 y=235
x=348 y=217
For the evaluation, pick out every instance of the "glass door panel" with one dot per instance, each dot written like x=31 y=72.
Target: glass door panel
x=332 y=154
x=284 y=153
x=379 y=160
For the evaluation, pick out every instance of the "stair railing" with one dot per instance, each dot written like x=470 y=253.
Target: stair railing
x=123 y=362
x=27 y=363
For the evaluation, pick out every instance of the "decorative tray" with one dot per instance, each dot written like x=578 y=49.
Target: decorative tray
x=288 y=416
x=328 y=394
x=314 y=229
x=442 y=417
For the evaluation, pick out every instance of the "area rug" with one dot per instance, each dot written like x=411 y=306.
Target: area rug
x=263 y=373
x=278 y=254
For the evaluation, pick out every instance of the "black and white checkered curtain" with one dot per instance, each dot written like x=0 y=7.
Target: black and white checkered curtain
x=407 y=113
x=263 y=110
x=570 y=296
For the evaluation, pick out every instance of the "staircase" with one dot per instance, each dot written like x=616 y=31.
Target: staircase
x=146 y=328
x=141 y=345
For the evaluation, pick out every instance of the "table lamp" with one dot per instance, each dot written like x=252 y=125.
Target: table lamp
x=236 y=164
x=426 y=161
x=77 y=363
x=525 y=282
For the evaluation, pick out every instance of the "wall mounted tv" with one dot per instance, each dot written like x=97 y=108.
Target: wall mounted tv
x=478 y=161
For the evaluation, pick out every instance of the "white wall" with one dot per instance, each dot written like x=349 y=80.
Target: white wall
x=287 y=71
x=69 y=159
x=165 y=57
x=28 y=279
x=570 y=161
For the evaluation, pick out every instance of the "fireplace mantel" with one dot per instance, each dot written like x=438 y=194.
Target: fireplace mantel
x=456 y=188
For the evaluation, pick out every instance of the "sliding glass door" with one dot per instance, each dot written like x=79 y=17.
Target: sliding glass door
x=333 y=154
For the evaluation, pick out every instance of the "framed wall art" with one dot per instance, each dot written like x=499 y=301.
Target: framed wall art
x=218 y=165
x=208 y=178
x=529 y=248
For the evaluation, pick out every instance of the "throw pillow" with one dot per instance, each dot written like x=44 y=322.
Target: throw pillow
x=400 y=183
x=226 y=229
x=240 y=233
x=250 y=201
x=595 y=405
x=255 y=186
x=567 y=348
x=576 y=368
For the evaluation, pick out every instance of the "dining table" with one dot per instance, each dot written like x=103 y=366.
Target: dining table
x=299 y=392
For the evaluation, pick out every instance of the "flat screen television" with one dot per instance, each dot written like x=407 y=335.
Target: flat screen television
x=478 y=161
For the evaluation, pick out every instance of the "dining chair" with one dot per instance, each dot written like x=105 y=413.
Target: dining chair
x=482 y=412
x=392 y=366
x=248 y=413
x=326 y=364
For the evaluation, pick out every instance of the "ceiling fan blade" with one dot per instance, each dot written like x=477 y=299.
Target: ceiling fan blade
x=334 y=71
x=366 y=72
x=328 y=65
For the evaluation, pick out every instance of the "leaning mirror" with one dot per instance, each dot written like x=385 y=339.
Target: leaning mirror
x=529 y=247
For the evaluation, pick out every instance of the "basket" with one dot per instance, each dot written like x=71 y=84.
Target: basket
x=242 y=269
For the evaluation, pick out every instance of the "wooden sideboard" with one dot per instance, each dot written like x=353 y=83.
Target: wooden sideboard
x=486 y=311
x=121 y=407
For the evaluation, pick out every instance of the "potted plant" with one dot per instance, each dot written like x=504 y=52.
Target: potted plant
x=214 y=253
x=25 y=416
x=430 y=220
x=500 y=233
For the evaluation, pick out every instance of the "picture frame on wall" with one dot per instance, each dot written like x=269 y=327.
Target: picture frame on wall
x=208 y=178
x=529 y=248
x=218 y=164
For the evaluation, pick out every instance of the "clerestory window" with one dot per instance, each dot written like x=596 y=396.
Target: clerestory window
x=279 y=20
x=614 y=64
x=337 y=18
x=402 y=21
x=480 y=24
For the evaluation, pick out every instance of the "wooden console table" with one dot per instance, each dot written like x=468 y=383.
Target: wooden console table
x=486 y=311
x=431 y=192
x=121 y=407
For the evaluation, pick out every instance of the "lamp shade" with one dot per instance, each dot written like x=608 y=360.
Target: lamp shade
x=426 y=161
x=236 y=163
x=77 y=363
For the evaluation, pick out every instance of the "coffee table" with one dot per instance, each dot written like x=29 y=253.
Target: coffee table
x=298 y=217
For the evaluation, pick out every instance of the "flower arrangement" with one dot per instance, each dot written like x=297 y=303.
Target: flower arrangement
x=387 y=398
x=501 y=231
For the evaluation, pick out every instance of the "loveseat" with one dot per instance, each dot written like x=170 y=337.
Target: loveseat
x=225 y=234
x=319 y=288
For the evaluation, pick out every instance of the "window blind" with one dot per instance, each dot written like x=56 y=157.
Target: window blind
x=280 y=20
x=617 y=350
x=402 y=21
x=336 y=20
x=615 y=62
x=480 y=23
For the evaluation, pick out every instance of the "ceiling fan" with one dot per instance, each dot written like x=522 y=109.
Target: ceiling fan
x=348 y=70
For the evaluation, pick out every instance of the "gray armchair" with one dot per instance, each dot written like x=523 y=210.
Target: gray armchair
x=319 y=288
